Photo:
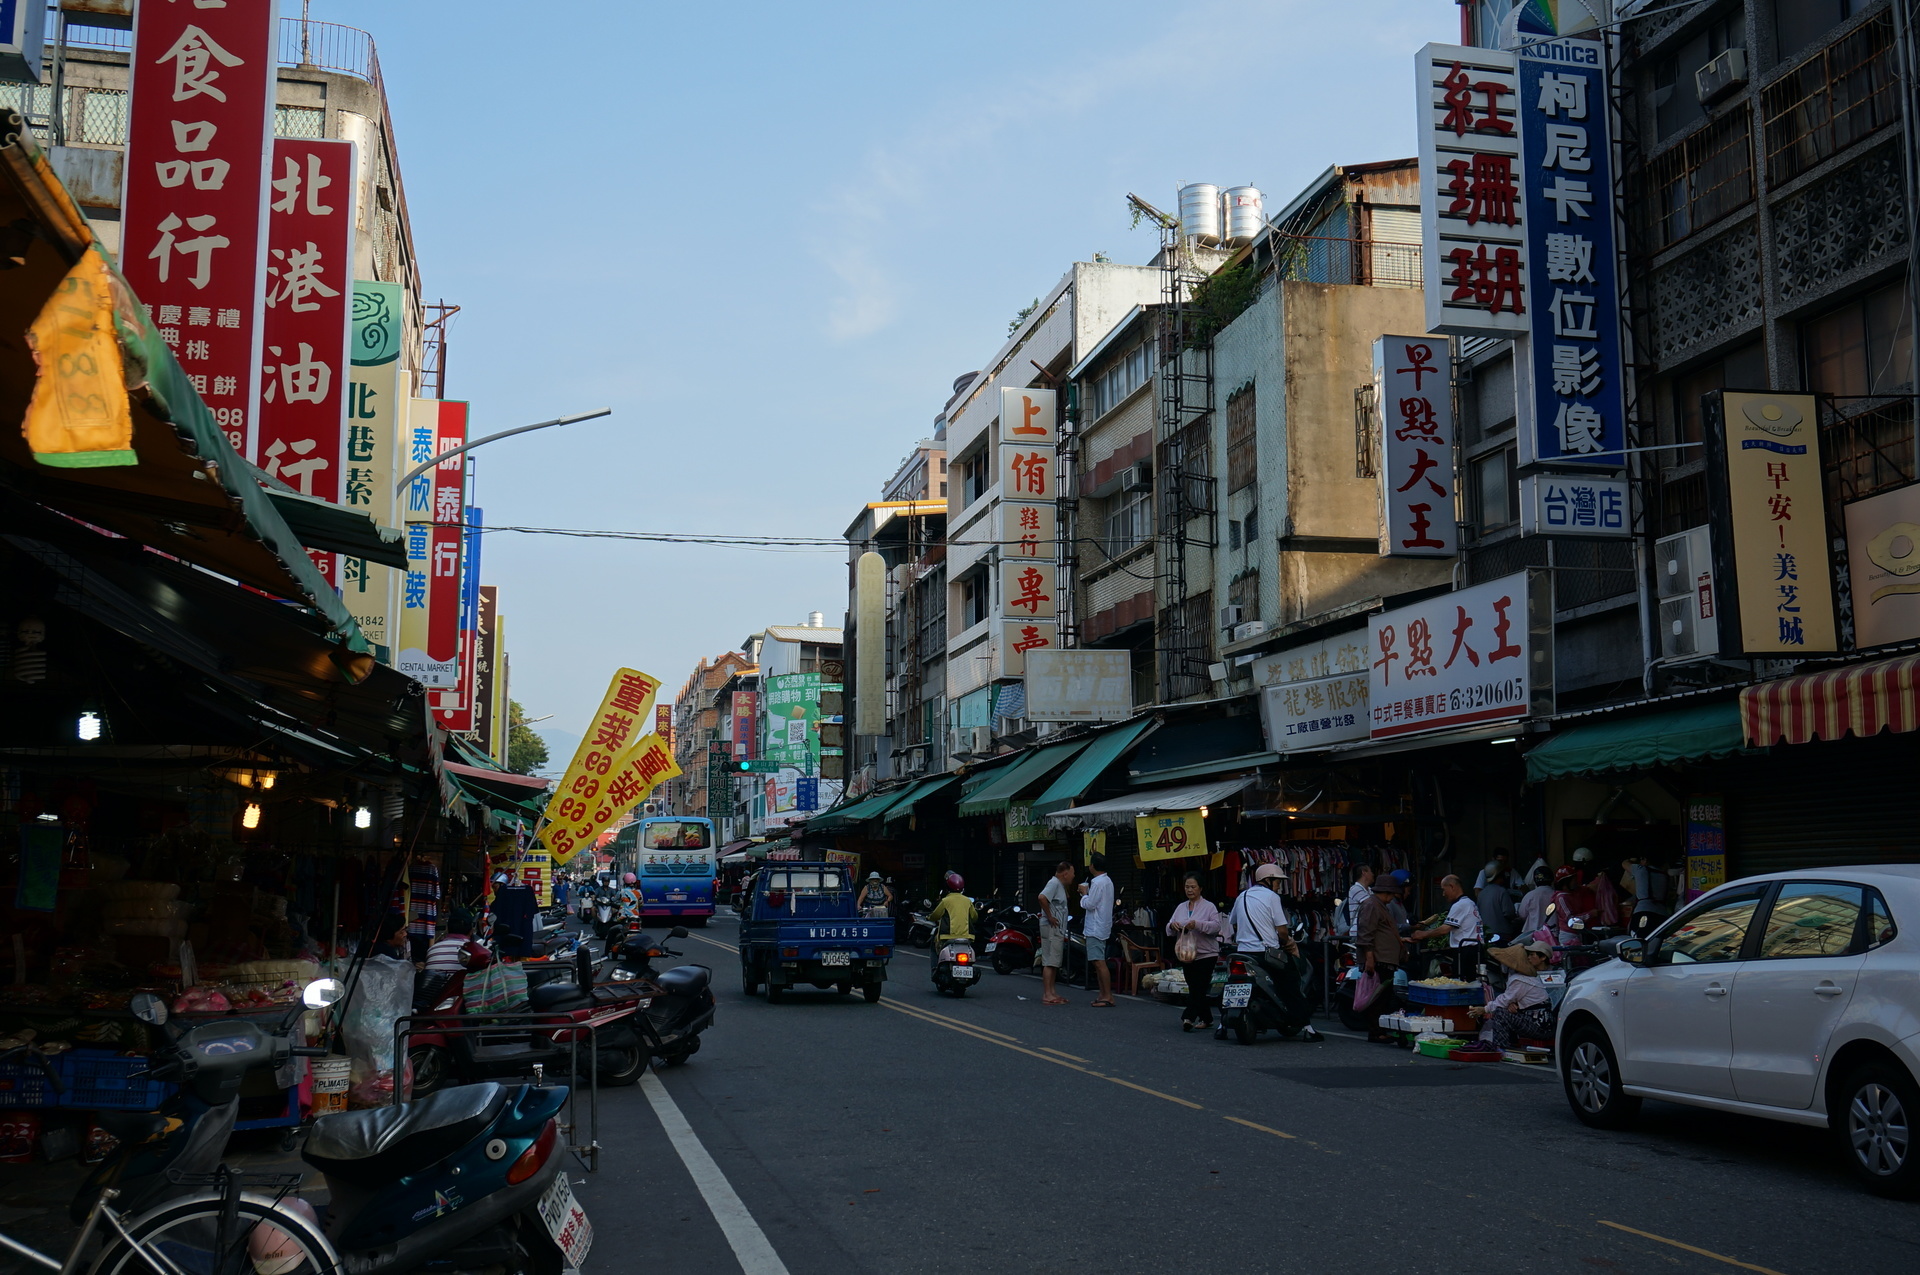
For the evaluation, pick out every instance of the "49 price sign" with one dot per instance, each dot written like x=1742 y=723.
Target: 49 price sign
x=1171 y=834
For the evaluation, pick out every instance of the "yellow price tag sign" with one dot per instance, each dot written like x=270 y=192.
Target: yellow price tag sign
x=1171 y=834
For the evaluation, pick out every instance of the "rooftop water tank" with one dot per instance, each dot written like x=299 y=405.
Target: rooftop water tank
x=1200 y=212
x=1245 y=209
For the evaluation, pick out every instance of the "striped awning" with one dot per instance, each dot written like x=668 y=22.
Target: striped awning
x=1861 y=700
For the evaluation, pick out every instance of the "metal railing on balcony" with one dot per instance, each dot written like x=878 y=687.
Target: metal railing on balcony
x=325 y=46
x=1866 y=445
x=1831 y=100
x=1376 y=263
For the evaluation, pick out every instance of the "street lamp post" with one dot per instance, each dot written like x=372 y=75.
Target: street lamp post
x=425 y=465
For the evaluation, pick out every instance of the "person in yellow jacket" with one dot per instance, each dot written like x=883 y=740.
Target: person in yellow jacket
x=954 y=916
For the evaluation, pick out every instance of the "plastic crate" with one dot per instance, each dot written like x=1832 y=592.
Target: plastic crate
x=22 y=1084
x=1437 y=1048
x=100 y=1080
x=1446 y=995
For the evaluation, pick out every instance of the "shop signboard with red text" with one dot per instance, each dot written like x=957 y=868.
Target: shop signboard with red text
x=1477 y=655
x=1473 y=214
x=1416 y=447
x=194 y=208
x=433 y=505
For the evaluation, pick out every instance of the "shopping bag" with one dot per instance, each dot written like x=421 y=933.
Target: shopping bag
x=1186 y=948
x=498 y=989
x=1364 y=990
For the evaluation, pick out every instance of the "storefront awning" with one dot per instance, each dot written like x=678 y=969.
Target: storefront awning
x=854 y=812
x=918 y=793
x=1004 y=785
x=1860 y=700
x=1609 y=744
x=1120 y=811
x=1101 y=752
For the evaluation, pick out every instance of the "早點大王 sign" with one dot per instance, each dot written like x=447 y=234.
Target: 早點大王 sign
x=1770 y=524
x=193 y=222
x=1482 y=654
x=1171 y=834
x=1415 y=403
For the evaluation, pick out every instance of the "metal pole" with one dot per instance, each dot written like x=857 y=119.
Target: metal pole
x=425 y=465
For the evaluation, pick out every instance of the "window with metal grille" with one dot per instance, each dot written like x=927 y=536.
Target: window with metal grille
x=299 y=121
x=1708 y=175
x=1366 y=434
x=1862 y=347
x=1244 y=593
x=1866 y=446
x=1242 y=454
x=97 y=117
x=1830 y=101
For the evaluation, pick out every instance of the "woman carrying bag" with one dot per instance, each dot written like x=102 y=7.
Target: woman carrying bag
x=1196 y=926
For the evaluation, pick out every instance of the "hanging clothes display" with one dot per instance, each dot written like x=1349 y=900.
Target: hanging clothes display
x=1316 y=874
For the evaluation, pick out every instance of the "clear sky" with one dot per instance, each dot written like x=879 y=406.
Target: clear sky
x=769 y=235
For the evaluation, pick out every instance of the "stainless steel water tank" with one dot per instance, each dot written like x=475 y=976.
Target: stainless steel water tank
x=1200 y=212
x=1245 y=213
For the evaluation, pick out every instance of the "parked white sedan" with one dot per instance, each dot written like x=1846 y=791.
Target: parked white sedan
x=1794 y=996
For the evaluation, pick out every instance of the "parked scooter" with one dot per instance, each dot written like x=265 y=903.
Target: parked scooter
x=1014 y=940
x=954 y=968
x=681 y=999
x=920 y=928
x=462 y=1181
x=1250 y=1004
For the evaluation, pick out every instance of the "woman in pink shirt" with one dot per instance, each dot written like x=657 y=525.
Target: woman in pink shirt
x=1198 y=920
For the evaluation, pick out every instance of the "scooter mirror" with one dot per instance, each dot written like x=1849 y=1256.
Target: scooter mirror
x=677 y=932
x=322 y=992
x=148 y=1008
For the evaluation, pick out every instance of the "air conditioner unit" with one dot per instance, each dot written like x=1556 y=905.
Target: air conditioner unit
x=1721 y=76
x=980 y=740
x=1252 y=628
x=1137 y=476
x=1683 y=565
x=1230 y=616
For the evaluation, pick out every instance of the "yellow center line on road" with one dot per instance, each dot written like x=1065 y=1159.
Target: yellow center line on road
x=1064 y=1054
x=1718 y=1257
x=973 y=1027
x=1262 y=1128
x=716 y=942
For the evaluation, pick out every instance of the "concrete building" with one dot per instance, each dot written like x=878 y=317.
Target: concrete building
x=799 y=701
x=697 y=724
x=910 y=537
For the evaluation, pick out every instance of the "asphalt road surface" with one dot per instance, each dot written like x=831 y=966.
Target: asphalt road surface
x=993 y=1133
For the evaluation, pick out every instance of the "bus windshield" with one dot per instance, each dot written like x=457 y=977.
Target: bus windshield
x=670 y=834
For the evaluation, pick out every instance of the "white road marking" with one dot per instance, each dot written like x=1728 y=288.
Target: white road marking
x=750 y=1246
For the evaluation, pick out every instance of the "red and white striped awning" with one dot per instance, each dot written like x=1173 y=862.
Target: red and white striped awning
x=1861 y=700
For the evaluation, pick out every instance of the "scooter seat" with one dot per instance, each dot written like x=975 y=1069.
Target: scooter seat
x=376 y=1146
x=685 y=980
x=556 y=996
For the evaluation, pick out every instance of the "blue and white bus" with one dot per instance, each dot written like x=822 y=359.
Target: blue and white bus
x=675 y=863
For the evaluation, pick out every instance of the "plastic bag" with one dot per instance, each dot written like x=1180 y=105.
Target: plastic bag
x=383 y=992
x=1365 y=988
x=499 y=989
x=1186 y=947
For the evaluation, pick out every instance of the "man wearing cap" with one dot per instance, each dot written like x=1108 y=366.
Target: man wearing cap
x=1260 y=931
x=1378 y=938
x=1524 y=1008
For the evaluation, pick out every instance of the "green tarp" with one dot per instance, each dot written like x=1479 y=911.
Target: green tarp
x=1004 y=785
x=1609 y=744
x=1101 y=752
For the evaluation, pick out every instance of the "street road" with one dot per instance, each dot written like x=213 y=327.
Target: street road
x=926 y=1133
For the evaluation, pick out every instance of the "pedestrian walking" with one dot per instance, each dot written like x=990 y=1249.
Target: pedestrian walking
x=1377 y=939
x=1195 y=927
x=1053 y=932
x=1096 y=896
x=1461 y=928
x=1497 y=913
x=1357 y=895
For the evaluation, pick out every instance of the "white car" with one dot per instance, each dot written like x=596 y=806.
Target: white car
x=1793 y=996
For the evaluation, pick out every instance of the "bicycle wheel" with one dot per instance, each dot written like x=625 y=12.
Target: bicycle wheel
x=184 y=1236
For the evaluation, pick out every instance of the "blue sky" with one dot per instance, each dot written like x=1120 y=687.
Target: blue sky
x=769 y=235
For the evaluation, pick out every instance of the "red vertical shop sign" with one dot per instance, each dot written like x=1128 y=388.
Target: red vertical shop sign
x=429 y=643
x=309 y=295
x=193 y=214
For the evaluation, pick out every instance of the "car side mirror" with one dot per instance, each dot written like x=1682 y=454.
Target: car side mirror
x=1632 y=951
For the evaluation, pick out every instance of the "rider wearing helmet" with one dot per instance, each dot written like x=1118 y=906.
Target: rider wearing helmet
x=632 y=903
x=954 y=915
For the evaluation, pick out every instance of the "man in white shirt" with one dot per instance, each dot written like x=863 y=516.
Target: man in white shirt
x=1053 y=932
x=1462 y=928
x=1096 y=896
x=1357 y=895
x=1260 y=931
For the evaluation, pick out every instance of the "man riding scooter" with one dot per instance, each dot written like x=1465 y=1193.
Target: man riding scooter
x=632 y=903
x=953 y=920
x=1265 y=948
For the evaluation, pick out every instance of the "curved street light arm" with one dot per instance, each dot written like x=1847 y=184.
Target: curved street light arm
x=425 y=465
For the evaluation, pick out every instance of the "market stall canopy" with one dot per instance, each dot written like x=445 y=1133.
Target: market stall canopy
x=998 y=790
x=1609 y=744
x=1119 y=812
x=917 y=793
x=182 y=488
x=1860 y=700
x=321 y=524
x=1101 y=752
x=1189 y=750
x=868 y=807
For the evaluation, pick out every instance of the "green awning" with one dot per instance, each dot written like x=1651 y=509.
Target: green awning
x=1004 y=785
x=852 y=813
x=1609 y=744
x=913 y=796
x=1101 y=752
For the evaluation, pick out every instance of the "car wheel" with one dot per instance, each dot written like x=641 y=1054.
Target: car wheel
x=1591 y=1075
x=1874 y=1119
x=872 y=992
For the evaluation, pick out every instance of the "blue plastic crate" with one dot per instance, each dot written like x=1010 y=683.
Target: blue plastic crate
x=22 y=1084
x=101 y=1080
x=1446 y=995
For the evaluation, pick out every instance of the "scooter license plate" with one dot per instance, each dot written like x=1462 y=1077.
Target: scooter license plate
x=963 y=971
x=1236 y=995
x=836 y=958
x=566 y=1221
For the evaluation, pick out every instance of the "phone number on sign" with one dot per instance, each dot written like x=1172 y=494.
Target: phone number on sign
x=1482 y=699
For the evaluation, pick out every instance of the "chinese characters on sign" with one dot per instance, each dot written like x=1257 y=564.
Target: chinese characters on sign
x=1473 y=214
x=1416 y=445
x=456 y=708
x=374 y=398
x=1564 y=505
x=432 y=507
x=1314 y=695
x=1028 y=530
x=746 y=718
x=1171 y=834
x=1474 y=655
x=303 y=380
x=1578 y=413
x=1079 y=685
x=613 y=732
x=1770 y=524
x=193 y=221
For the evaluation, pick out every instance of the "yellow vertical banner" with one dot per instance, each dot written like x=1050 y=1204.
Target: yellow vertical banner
x=1772 y=521
x=635 y=774
x=617 y=725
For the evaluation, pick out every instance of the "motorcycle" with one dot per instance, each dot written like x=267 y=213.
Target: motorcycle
x=920 y=927
x=1014 y=941
x=954 y=969
x=459 y=1182
x=605 y=911
x=1251 y=1004
x=680 y=1000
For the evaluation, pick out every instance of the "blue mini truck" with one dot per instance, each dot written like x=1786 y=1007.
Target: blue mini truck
x=801 y=927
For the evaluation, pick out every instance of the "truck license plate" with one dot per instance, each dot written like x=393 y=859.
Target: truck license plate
x=566 y=1221
x=1236 y=995
x=836 y=958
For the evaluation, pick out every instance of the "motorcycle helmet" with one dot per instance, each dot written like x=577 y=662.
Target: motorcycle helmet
x=1583 y=855
x=629 y=879
x=956 y=882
